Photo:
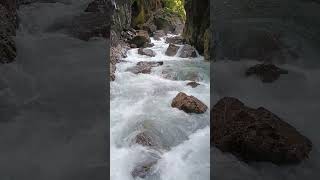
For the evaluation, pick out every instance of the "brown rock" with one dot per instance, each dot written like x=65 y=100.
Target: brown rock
x=266 y=72
x=188 y=51
x=133 y=46
x=193 y=84
x=175 y=40
x=147 y=52
x=144 y=67
x=141 y=39
x=188 y=104
x=172 y=50
x=256 y=134
x=143 y=169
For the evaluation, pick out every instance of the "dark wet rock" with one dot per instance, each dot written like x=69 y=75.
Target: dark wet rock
x=145 y=138
x=197 y=27
x=172 y=50
x=175 y=40
x=266 y=72
x=143 y=169
x=256 y=134
x=150 y=45
x=97 y=6
x=7 y=31
x=144 y=67
x=168 y=21
x=116 y=53
x=133 y=46
x=188 y=104
x=141 y=39
x=147 y=52
x=193 y=84
x=158 y=34
x=188 y=51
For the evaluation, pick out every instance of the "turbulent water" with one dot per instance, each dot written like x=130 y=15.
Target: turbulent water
x=54 y=98
x=294 y=97
x=143 y=102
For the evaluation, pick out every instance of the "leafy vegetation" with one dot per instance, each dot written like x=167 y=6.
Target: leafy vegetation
x=175 y=6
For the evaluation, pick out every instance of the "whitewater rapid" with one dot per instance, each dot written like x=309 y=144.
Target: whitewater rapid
x=143 y=102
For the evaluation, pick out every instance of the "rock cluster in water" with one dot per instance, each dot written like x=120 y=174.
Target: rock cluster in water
x=266 y=72
x=256 y=134
x=144 y=67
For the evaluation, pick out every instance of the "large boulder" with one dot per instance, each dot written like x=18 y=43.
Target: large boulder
x=168 y=21
x=172 y=50
x=141 y=40
x=175 y=40
x=188 y=51
x=146 y=52
x=188 y=104
x=144 y=67
x=266 y=72
x=256 y=134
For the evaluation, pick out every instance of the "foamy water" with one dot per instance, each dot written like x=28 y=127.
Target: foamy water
x=143 y=102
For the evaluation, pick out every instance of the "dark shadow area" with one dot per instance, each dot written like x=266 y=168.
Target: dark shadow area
x=265 y=90
x=54 y=119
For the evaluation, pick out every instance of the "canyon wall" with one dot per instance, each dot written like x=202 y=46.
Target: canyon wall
x=264 y=30
x=7 y=30
x=197 y=26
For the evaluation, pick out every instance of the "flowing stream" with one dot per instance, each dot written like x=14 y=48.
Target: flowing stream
x=143 y=103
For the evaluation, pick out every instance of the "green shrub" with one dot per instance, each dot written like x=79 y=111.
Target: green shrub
x=175 y=6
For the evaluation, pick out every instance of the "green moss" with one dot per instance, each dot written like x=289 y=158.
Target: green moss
x=140 y=18
x=175 y=6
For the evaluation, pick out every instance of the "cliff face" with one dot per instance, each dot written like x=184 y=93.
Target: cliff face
x=197 y=26
x=7 y=30
x=264 y=30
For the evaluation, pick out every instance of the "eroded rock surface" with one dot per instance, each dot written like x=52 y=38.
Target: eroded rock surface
x=188 y=51
x=144 y=67
x=256 y=134
x=188 y=104
x=172 y=50
x=147 y=52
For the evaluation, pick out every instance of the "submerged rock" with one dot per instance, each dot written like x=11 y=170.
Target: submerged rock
x=266 y=72
x=175 y=40
x=147 y=52
x=144 y=67
x=143 y=169
x=141 y=40
x=188 y=51
x=193 y=84
x=172 y=50
x=188 y=104
x=256 y=134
